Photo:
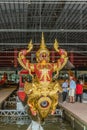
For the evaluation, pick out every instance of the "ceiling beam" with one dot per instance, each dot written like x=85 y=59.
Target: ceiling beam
x=34 y=51
x=44 y=30
x=65 y=44
x=46 y=1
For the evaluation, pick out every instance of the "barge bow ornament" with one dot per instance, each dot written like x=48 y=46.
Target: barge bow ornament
x=42 y=92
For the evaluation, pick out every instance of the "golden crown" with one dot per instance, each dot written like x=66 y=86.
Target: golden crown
x=43 y=49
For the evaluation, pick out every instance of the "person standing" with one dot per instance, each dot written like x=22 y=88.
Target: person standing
x=65 y=89
x=72 y=90
x=79 y=91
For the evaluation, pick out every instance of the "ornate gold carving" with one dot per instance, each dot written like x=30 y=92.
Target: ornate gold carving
x=43 y=50
x=42 y=93
x=56 y=45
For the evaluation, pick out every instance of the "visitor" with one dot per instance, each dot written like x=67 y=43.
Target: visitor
x=65 y=90
x=81 y=81
x=79 y=91
x=72 y=87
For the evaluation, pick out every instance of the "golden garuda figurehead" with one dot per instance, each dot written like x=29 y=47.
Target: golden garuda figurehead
x=43 y=53
x=42 y=92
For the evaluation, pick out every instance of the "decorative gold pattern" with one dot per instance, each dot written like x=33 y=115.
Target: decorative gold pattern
x=42 y=92
x=42 y=50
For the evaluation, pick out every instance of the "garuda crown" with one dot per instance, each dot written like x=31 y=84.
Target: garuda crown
x=43 y=50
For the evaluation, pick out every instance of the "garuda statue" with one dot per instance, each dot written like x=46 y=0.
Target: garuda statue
x=42 y=92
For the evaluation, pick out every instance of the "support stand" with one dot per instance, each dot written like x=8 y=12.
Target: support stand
x=35 y=126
